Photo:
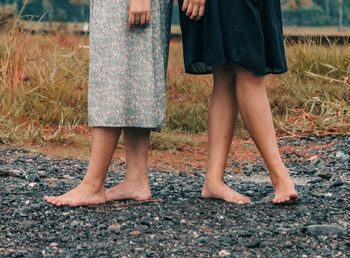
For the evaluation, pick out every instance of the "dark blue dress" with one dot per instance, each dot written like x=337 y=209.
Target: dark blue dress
x=247 y=33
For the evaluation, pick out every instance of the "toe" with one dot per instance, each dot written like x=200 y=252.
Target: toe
x=48 y=198
x=59 y=203
x=294 y=197
x=55 y=202
x=75 y=203
x=51 y=200
x=284 y=200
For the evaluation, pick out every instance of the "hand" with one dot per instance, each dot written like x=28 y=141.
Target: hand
x=139 y=12
x=194 y=8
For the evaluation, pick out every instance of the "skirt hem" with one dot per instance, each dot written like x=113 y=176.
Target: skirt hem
x=151 y=128
x=207 y=68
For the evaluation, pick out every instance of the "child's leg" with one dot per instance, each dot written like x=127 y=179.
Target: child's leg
x=223 y=113
x=135 y=185
x=91 y=189
x=256 y=113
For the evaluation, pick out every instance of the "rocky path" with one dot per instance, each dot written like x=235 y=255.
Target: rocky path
x=177 y=222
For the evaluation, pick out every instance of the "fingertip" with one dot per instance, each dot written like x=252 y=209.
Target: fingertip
x=185 y=5
x=199 y=17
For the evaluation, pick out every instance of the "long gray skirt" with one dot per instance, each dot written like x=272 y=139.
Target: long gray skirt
x=128 y=66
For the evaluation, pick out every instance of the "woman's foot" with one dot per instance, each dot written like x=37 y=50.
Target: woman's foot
x=221 y=191
x=284 y=187
x=83 y=195
x=129 y=190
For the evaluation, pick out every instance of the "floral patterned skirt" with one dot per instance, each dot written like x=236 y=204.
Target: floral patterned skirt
x=128 y=66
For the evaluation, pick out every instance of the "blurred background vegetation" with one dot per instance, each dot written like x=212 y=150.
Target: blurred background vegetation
x=44 y=76
x=295 y=12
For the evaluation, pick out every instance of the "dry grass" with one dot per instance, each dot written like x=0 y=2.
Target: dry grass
x=43 y=82
x=188 y=96
x=43 y=88
x=314 y=97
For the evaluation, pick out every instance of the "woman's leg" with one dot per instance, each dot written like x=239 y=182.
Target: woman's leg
x=91 y=190
x=256 y=112
x=135 y=185
x=223 y=113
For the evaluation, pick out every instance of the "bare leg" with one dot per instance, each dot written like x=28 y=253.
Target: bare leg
x=223 y=113
x=256 y=113
x=135 y=185
x=91 y=190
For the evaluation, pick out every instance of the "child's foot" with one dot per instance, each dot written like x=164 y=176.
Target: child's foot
x=83 y=195
x=127 y=190
x=284 y=187
x=221 y=191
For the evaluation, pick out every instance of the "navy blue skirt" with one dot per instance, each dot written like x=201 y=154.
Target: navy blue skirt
x=248 y=33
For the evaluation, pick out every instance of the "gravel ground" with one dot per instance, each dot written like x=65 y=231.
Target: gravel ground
x=177 y=222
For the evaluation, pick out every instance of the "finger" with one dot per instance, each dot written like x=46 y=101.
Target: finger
x=195 y=11
x=143 y=19
x=137 y=19
x=148 y=17
x=131 y=20
x=189 y=9
x=185 y=5
x=201 y=12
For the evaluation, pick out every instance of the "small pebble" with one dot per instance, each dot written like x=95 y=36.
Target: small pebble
x=224 y=253
x=135 y=233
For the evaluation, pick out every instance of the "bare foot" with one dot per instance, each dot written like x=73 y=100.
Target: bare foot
x=82 y=195
x=127 y=190
x=222 y=191
x=284 y=187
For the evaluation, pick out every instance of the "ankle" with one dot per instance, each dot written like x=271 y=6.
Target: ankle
x=278 y=170
x=213 y=180
x=136 y=179
x=93 y=185
x=281 y=178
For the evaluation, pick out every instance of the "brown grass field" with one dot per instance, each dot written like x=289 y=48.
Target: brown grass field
x=82 y=28
x=44 y=80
